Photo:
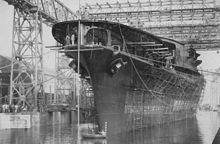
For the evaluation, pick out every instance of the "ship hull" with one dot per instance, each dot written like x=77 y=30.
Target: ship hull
x=139 y=94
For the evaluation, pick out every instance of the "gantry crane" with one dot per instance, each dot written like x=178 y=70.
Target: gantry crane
x=26 y=81
x=196 y=23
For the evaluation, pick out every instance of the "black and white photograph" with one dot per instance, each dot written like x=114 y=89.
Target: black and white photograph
x=110 y=72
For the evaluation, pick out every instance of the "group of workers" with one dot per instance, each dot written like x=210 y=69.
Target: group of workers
x=70 y=40
x=7 y=108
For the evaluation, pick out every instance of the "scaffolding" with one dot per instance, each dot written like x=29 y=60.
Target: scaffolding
x=66 y=78
x=192 y=22
x=27 y=46
x=26 y=80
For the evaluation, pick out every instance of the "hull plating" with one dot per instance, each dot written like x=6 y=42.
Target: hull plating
x=139 y=95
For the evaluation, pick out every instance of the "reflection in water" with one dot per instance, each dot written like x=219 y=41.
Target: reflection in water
x=59 y=130
x=198 y=130
x=208 y=125
x=97 y=141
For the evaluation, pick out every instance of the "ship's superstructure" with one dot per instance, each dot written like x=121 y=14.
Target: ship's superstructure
x=138 y=79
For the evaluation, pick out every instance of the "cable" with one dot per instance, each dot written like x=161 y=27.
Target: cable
x=43 y=81
x=7 y=65
x=125 y=46
x=218 y=73
x=48 y=52
x=174 y=64
x=53 y=77
x=148 y=89
x=212 y=81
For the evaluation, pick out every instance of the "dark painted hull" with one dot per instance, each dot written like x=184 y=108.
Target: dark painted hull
x=138 y=95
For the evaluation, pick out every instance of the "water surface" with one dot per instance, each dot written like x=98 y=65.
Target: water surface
x=198 y=130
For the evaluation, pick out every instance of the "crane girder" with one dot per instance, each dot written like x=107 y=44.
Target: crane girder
x=52 y=11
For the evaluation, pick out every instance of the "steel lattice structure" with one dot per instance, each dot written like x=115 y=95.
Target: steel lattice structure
x=52 y=11
x=65 y=81
x=26 y=84
x=196 y=23
x=27 y=50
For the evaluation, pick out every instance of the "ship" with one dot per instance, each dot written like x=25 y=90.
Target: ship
x=139 y=80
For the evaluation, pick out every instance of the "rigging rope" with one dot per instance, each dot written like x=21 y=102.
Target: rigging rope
x=18 y=61
x=147 y=88
x=7 y=66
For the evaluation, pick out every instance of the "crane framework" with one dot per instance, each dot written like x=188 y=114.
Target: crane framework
x=26 y=84
x=196 y=23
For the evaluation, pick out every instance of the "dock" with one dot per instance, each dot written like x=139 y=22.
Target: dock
x=14 y=120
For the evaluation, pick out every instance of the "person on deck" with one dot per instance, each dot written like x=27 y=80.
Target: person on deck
x=67 y=39
x=73 y=39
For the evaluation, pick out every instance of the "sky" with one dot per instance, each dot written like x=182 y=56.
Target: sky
x=211 y=59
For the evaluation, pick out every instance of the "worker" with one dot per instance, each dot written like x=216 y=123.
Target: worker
x=73 y=39
x=16 y=108
x=67 y=40
x=12 y=108
x=3 y=108
x=7 y=108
